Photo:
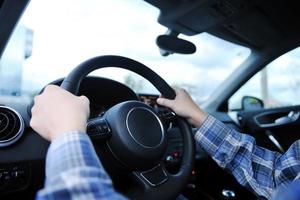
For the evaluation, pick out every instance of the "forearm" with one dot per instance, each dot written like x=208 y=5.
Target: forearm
x=74 y=171
x=252 y=166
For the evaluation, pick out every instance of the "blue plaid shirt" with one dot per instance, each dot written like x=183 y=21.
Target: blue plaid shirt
x=73 y=170
x=254 y=167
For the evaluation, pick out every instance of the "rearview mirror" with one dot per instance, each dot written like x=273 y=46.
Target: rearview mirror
x=169 y=44
x=252 y=103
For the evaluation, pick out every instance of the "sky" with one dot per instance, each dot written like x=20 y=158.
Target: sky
x=68 y=32
x=283 y=76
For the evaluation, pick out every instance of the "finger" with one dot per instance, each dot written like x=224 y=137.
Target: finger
x=32 y=123
x=84 y=99
x=36 y=98
x=86 y=102
x=165 y=102
x=177 y=90
x=33 y=109
x=50 y=88
x=35 y=103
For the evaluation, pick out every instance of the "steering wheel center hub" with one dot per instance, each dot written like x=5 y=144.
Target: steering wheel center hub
x=145 y=127
x=138 y=138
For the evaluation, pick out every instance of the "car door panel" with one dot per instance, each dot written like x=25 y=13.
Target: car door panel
x=271 y=125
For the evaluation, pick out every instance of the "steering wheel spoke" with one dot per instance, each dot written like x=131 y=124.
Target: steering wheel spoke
x=153 y=177
x=167 y=115
x=156 y=182
x=98 y=128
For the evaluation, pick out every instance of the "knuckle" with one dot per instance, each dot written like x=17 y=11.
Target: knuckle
x=85 y=100
x=32 y=123
x=36 y=98
x=50 y=87
x=162 y=101
x=32 y=109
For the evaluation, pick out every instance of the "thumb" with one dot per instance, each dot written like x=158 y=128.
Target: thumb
x=165 y=102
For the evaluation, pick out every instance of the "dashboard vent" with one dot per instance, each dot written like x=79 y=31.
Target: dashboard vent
x=11 y=126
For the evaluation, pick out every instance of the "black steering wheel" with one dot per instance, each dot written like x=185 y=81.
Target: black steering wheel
x=135 y=134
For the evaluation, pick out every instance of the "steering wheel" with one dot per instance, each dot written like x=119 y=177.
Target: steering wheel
x=135 y=134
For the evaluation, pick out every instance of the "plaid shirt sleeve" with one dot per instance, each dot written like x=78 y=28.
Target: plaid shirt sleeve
x=256 y=168
x=73 y=171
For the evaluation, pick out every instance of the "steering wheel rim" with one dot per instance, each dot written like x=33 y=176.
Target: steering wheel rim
x=175 y=182
x=72 y=81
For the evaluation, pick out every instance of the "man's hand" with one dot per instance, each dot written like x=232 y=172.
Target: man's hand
x=57 y=111
x=183 y=105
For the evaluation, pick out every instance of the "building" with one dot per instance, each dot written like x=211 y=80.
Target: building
x=18 y=49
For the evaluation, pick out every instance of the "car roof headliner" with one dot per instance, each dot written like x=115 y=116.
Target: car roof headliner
x=252 y=23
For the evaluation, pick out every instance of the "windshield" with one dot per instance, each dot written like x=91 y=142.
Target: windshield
x=55 y=36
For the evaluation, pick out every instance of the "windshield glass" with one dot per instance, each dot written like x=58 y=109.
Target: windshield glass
x=54 y=36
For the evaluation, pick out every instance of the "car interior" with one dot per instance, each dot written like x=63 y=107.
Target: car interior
x=157 y=156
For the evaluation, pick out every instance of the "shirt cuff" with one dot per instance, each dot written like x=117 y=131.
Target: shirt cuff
x=70 y=151
x=212 y=134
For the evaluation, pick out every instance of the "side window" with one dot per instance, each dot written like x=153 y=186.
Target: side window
x=277 y=85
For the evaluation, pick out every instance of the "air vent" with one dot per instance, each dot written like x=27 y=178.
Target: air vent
x=11 y=126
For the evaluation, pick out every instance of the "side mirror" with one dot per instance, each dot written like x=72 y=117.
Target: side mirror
x=252 y=103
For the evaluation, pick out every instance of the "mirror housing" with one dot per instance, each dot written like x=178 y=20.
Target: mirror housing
x=252 y=103
x=169 y=43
